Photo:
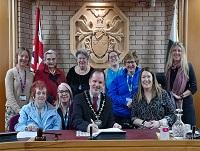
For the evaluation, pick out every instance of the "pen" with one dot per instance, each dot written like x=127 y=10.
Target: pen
x=92 y=121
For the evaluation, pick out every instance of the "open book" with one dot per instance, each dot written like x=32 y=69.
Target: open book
x=109 y=134
x=108 y=130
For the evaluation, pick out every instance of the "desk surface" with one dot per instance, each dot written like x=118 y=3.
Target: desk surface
x=147 y=143
x=131 y=134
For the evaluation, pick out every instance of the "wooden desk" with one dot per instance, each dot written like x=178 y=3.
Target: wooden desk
x=105 y=145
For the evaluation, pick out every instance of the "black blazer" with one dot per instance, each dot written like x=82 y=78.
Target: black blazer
x=69 y=122
x=82 y=113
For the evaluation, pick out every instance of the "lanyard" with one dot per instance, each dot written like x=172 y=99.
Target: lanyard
x=23 y=84
x=130 y=82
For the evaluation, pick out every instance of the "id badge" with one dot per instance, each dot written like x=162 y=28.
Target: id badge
x=22 y=97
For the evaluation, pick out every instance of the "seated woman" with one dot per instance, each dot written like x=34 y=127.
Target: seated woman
x=152 y=107
x=64 y=104
x=38 y=113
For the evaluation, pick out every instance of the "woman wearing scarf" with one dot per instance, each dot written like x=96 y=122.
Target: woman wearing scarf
x=181 y=80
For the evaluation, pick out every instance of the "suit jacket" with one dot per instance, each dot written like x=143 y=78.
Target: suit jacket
x=82 y=112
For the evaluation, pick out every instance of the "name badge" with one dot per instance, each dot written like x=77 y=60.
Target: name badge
x=22 y=97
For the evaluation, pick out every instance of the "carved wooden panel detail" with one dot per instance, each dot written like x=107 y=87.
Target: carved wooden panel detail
x=99 y=28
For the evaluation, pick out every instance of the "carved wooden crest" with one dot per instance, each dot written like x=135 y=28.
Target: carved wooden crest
x=99 y=28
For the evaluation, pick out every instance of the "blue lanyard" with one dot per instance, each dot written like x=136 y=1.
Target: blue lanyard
x=130 y=82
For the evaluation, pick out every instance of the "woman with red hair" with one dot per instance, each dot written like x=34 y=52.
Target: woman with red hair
x=38 y=113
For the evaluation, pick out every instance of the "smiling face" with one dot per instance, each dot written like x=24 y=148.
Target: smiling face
x=64 y=95
x=40 y=96
x=176 y=54
x=50 y=60
x=82 y=61
x=130 y=66
x=96 y=83
x=113 y=58
x=23 y=59
x=146 y=80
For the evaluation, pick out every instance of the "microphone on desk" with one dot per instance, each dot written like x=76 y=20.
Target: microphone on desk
x=193 y=131
x=90 y=137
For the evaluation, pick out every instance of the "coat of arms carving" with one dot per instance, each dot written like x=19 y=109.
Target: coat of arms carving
x=99 y=28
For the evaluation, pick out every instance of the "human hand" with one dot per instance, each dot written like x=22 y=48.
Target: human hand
x=147 y=124
x=31 y=127
x=155 y=124
x=176 y=96
x=129 y=102
x=116 y=125
x=94 y=127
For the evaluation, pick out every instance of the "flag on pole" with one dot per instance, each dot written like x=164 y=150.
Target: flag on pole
x=173 y=37
x=37 y=53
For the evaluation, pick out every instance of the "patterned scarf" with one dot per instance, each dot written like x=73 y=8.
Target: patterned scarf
x=180 y=80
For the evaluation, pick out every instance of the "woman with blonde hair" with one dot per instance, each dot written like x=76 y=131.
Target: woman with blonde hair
x=64 y=104
x=152 y=107
x=181 y=80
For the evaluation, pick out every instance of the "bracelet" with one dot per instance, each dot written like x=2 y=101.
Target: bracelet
x=143 y=122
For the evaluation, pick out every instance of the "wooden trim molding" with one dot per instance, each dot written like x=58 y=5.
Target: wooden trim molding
x=12 y=9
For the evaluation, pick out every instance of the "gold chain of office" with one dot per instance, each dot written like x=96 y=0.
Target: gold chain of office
x=90 y=105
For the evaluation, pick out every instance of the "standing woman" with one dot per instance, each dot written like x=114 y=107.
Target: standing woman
x=181 y=80
x=113 y=70
x=18 y=83
x=78 y=76
x=64 y=107
x=123 y=88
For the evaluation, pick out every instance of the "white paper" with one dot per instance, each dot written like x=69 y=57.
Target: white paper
x=26 y=134
x=86 y=134
x=80 y=133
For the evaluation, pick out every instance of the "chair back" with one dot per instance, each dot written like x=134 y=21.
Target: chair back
x=13 y=122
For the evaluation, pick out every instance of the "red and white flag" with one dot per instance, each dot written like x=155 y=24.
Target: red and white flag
x=37 y=53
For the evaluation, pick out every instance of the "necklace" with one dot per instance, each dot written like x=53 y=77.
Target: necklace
x=97 y=116
x=52 y=71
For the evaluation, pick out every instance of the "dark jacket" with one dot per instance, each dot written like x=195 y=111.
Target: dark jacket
x=82 y=113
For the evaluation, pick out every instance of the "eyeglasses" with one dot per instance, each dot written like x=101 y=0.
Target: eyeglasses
x=63 y=91
x=114 y=56
x=130 y=62
x=81 y=58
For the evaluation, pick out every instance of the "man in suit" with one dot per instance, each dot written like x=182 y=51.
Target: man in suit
x=93 y=108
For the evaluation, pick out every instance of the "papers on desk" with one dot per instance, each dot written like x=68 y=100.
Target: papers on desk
x=86 y=134
x=26 y=134
x=83 y=134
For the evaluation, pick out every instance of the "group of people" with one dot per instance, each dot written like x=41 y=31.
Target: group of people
x=122 y=97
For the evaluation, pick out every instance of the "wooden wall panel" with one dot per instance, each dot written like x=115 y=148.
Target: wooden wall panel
x=193 y=36
x=4 y=51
